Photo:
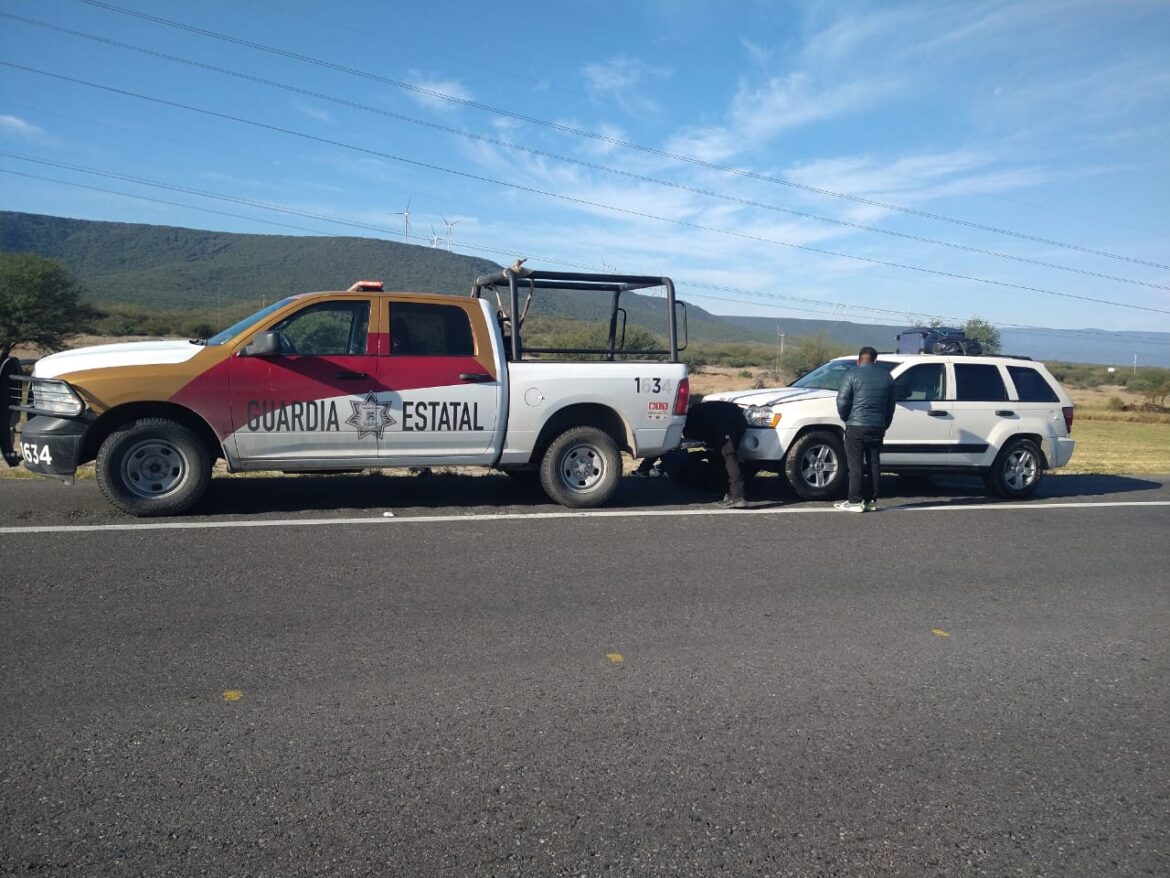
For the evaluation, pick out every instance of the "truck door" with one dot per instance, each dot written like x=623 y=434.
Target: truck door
x=923 y=427
x=440 y=378
x=315 y=399
x=983 y=410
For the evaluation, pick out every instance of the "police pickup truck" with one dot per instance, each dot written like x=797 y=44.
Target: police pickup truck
x=343 y=381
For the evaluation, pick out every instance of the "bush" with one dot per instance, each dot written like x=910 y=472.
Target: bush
x=1116 y=404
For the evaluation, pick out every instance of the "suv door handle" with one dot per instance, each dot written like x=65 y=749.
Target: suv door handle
x=937 y=413
x=1005 y=413
x=349 y=376
x=475 y=377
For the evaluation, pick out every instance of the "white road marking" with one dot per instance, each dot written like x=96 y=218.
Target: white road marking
x=379 y=518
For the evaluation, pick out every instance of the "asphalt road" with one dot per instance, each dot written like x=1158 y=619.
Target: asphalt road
x=948 y=687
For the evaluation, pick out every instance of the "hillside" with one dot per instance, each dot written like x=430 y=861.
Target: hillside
x=161 y=267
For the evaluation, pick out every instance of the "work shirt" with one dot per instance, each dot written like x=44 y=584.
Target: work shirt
x=866 y=397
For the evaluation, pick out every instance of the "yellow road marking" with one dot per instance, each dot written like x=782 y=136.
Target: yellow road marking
x=938 y=632
x=232 y=695
x=616 y=657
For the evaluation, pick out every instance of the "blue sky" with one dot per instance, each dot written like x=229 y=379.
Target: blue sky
x=1046 y=120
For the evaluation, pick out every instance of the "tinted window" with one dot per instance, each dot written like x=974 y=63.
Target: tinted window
x=421 y=329
x=978 y=383
x=327 y=328
x=1031 y=386
x=922 y=383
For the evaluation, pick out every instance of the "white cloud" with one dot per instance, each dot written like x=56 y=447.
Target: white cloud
x=757 y=114
x=17 y=127
x=620 y=80
x=435 y=90
x=313 y=112
x=757 y=53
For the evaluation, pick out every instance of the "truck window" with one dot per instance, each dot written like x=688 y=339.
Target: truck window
x=1031 y=386
x=420 y=329
x=978 y=383
x=925 y=382
x=326 y=329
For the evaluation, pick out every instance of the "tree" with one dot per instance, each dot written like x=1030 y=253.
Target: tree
x=40 y=303
x=811 y=351
x=985 y=332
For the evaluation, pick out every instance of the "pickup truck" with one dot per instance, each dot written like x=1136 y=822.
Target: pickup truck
x=360 y=379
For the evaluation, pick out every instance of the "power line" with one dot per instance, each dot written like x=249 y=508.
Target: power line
x=575 y=161
x=788 y=301
x=613 y=141
x=570 y=198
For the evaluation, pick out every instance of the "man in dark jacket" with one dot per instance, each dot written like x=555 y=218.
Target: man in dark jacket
x=865 y=402
x=720 y=426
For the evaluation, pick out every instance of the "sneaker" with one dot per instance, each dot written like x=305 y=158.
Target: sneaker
x=871 y=505
x=728 y=503
x=846 y=506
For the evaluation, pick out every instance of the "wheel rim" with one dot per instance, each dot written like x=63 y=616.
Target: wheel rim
x=1020 y=469
x=582 y=467
x=819 y=465
x=153 y=468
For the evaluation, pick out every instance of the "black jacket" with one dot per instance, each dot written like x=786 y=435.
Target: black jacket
x=866 y=397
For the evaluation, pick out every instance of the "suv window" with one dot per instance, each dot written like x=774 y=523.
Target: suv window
x=922 y=383
x=979 y=383
x=426 y=330
x=1031 y=386
x=326 y=329
x=830 y=375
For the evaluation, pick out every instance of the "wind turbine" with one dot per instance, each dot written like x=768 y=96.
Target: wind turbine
x=405 y=214
x=434 y=239
x=450 y=226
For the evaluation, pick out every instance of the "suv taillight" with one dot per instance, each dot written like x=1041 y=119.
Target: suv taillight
x=682 y=396
x=1068 y=417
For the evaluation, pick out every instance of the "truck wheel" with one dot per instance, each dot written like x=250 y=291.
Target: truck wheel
x=1017 y=470
x=153 y=466
x=582 y=467
x=815 y=466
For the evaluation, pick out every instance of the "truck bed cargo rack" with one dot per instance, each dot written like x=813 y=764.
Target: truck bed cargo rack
x=516 y=278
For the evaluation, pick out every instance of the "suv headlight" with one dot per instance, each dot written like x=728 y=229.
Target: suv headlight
x=53 y=398
x=762 y=416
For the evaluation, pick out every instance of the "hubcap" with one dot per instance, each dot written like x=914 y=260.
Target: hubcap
x=819 y=465
x=582 y=468
x=153 y=468
x=1020 y=469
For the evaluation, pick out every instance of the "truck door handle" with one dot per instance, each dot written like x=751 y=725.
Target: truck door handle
x=937 y=413
x=475 y=377
x=1006 y=413
x=349 y=376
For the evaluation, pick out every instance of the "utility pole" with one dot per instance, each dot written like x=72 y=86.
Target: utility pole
x=1135 y=364
x=779 y=348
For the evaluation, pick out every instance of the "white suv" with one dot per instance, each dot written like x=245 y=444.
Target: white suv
x=1004 y=418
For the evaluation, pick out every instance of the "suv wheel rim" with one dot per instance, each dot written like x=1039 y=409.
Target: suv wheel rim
x=1020 y=469
x=582 y=468
x=153 y=467
x=819 y=465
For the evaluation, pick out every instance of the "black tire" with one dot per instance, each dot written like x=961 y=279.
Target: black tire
x=1017 y=471
x=582 y=467
x=815 y=466
x=153 y=466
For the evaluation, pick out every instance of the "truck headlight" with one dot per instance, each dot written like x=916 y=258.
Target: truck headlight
x=762 y=416
x=54 y=398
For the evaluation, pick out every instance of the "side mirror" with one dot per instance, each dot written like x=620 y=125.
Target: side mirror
x=902 y=391
x=263 y=344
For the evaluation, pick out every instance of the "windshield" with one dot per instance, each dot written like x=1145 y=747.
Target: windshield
x=236 y=328
x=831 y=374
